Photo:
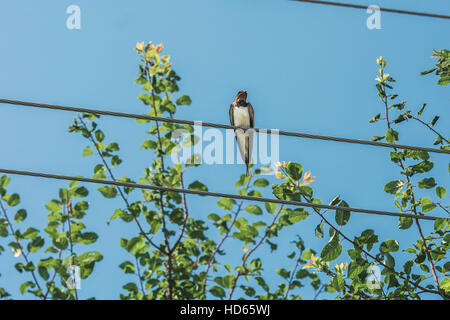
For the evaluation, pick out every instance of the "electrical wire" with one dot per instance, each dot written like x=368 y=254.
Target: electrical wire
x=357 y=6
x=212 y=194
x=221 y=126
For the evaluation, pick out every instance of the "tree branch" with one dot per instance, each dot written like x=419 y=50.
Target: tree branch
x=400 y=162
x=256 y=246
x=118 y=188
x=22 y=252
x=225 y=236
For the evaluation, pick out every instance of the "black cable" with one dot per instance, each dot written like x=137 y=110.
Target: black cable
x=357 y=6
x=213 y=194
x=221 y=126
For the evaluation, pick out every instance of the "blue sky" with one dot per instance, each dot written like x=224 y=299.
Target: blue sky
x=306 y=68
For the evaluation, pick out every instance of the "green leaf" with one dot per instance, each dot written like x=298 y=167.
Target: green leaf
x=87 y=238
x=4 y=181
x=401 y=118
x=147 y=87
x=440 y=192
x=294 y=170
x=368 y=238
x=113 y=146
x=297 y=215
x=283 y=273
x=12 y=200
x=394 y=186
x=377 y=138
x=270 y=207
x=87 y=262
x=35 y=244
x=99 y=135
x=427 y=205
x=396 y=156
x=439 y=224
x=127 y=267
x=80 y=192
x=389 y=246
x=89 y=257
x=444 y=81
x=197 y=185
x=87 y=151
x=338 y=283
x=399 y=106
x=217 y=292
x=306 y=255
x=253 y=209
x=60 y=241
x=43 y=273
x=421 y=167
x=421 y=109
x=145 y=98
x=20 y=215
x=228 y=281
x=149 y=144
x=131 y=287
x=261 y=182
x=213 y=216
x=375 y=118
x=416 y=154
x=445 y=285
x=342 y=216
x=108 y=191
x=24 y=286
x=243 y=180
x=405 y=223
x=226 y=203
x=433 y=122
x=319 y=230
x=184 y=100
x=428 y=71
x=391 y=136
x=389 y=260
x=30 y=233
x=427 y=183
x=332 y=249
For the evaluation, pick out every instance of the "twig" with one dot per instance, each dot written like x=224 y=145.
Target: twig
x=144 y=294
x=69 y=212
x=22 y=252
x=431 y=128
x=291 y=279
x=400 y=162
x=225 y=236
x=442 y=207
x=370 y=255
x=118 y=189
x=256 y=246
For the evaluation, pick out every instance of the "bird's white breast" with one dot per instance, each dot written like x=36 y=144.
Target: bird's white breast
x=241 y=117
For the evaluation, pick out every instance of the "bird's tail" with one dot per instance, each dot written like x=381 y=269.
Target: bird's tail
x=246 y=170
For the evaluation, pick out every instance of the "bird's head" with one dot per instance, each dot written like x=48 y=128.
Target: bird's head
x=241 y=96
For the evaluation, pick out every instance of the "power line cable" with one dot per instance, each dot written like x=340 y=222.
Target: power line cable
x=221 y=126
x=212 y=194
x=357 y=6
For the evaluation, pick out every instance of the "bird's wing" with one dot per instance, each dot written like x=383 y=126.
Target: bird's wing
x=230 y=112
x=249 y=148
x=251 y=112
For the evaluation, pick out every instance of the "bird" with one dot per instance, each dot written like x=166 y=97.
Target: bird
x=242 y=115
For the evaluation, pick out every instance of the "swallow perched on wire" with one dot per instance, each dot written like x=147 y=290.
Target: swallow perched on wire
x=242 y=115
